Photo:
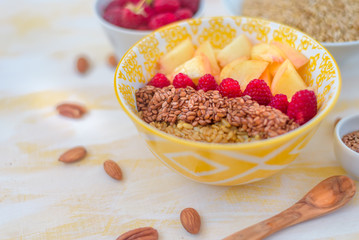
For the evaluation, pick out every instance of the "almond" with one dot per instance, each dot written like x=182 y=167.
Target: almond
x=82 y=65
x=112 y=169
x=144 y=233
x=71 y=110
x=112 y=60
x=190 y=220
x=73 y=155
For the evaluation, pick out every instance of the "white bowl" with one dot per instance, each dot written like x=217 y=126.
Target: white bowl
x=122 y=38
x=348 y=158
x=341 y=51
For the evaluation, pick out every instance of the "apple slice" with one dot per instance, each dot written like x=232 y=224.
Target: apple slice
x=239 y=47
x=267 y=52
x=195 y=68
x=244 y=71
x=177 y=56
x=206 y=49
x=287 y=80
x=297 y=58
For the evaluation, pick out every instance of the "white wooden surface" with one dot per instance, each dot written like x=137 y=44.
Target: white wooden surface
x=41 y=198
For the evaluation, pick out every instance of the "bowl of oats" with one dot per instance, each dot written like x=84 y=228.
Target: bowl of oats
x=334 y=23
x=227 y=100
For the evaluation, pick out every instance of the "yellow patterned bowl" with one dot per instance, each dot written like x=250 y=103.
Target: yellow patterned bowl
x=225 y=164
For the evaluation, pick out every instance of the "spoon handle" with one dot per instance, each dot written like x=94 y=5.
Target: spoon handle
x=288 y=217
x=327 y=196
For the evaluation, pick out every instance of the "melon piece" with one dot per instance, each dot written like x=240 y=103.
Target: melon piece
x=177 y=56
x=244 y=71
x=297 y=58
x=206 y=49
x=287 y=80
x=195 y=68
x=239 y=47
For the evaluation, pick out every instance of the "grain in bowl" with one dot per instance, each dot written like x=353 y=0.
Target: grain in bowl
x=213 y=108
x=325 y=20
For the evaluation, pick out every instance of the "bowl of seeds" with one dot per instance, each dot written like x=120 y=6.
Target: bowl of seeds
x=346 y=144
x=227 y=100
x=334 y=23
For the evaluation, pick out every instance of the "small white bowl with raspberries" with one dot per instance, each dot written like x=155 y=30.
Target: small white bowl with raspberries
x=127 y=21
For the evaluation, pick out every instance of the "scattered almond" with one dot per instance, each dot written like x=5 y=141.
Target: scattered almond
x=73 y=155
x=190 y=220
x=144 y=233
x=112 y=169
x=82 y=65
x=71 y=110
x=112 y=60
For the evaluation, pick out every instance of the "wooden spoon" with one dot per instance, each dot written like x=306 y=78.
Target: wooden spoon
x=329 y=195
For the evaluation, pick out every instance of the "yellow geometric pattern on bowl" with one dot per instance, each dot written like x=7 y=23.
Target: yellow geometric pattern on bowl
x=174 y=35
x=259 y=27
x=219 y=33
x=150 y=51
x=195 y=25
x=131 y=66
x=226 y=164
x=285 y=34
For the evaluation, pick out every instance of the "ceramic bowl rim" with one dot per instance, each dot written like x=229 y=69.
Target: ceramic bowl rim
x=339 y=125
x=229 y=146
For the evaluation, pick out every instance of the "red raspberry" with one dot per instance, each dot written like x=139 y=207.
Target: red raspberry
x=149 y=12
x=259 y=91
x=230 y=88
x=303 y=106
x=162 y=6
x=133 y=1
x=113 y=15
x=161 y=20
x=182 y=81
x=130 y=18
x=159 y=81
x=183 y=13
x=191 y=4
x=279 y=101
x=207 y=82
x=115 y=3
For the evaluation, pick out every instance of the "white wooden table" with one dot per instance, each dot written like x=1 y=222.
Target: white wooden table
x=42 y=198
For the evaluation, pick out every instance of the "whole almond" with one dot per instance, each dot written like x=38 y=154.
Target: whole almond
x=71 y=110
x=73 y=155
x=145 y=233
x=112 y=60
x=82 y=65
x=190 y=220
x=112 y=169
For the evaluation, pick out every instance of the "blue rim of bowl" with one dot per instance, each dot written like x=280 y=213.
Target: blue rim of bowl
x=98 y=13
x=229 y=146
x=341 y=123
